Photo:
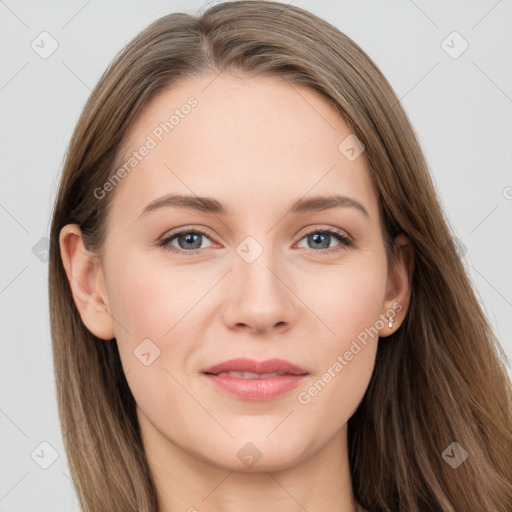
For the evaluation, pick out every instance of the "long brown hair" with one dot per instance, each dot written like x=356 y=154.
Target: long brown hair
x=439 y=379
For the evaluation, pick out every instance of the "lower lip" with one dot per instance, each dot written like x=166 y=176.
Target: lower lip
x=256 y=389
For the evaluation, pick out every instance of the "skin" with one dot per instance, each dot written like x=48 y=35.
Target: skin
x=273 y=144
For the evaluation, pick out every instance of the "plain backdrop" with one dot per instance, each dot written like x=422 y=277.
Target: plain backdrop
x=460 y=104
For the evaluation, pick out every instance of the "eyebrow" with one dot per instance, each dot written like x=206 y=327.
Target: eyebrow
x=211 y=205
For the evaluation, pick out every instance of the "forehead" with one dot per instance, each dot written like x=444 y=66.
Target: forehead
x=244 y=141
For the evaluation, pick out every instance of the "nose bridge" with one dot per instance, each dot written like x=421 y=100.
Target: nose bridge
x=260 y=296
x=257 y=266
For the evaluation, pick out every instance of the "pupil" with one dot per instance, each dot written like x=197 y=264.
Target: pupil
x=189 y=239
x=316 y=236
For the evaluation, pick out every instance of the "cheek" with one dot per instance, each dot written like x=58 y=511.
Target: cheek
x=153 y=307
x=351 y=306
x=151 y=312
x=148 y=297
x=349 y=300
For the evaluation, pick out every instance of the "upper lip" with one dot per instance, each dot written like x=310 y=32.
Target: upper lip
x=253 y=366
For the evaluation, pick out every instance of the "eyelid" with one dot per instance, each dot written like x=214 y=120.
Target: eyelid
x=192 y=228
x=322 y=227
x=306 y=230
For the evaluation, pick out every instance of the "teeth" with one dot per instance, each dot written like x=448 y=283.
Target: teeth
x=250 y=375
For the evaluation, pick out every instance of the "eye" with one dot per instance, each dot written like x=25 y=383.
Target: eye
x=187 y=240
x=321 y=239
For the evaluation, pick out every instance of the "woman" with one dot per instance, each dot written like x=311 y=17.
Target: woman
x=256 y=301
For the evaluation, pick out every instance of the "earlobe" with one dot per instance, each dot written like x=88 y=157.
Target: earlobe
x=86 y=280
x=398 y=292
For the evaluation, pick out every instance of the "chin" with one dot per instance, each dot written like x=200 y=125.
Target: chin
x=258 y=455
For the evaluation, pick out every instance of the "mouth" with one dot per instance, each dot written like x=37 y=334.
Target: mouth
x=248 y=379
x=249 y=375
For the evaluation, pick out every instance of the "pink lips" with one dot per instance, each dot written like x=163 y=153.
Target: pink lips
x=255 y=388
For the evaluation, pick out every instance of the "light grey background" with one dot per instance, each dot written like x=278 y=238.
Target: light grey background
x=460 y=107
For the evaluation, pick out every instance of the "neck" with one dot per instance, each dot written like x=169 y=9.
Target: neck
x=187 y=482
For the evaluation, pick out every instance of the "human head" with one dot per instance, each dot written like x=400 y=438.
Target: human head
x=178 y=48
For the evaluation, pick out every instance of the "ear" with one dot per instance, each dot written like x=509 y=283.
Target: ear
x=398 y=290
x=87 y=283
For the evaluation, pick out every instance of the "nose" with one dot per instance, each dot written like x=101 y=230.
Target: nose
x=261 y=298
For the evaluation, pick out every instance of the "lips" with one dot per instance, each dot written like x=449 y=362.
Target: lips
x=269 y=366
x=247 y=379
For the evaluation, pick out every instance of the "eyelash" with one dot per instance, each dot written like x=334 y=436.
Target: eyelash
x=345 y=241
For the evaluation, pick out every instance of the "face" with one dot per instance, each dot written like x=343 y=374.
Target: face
x=258 y=271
